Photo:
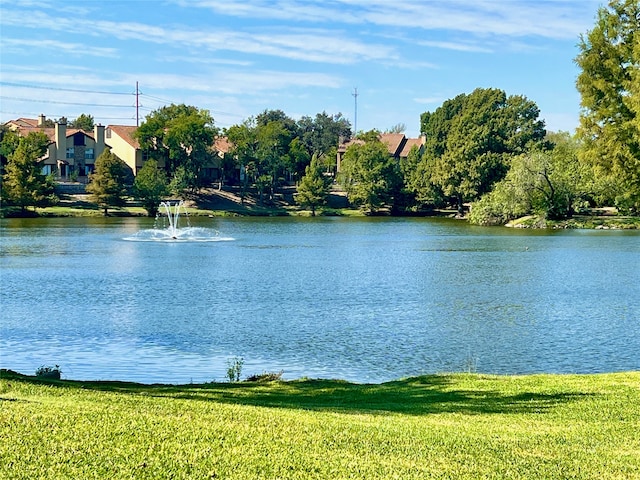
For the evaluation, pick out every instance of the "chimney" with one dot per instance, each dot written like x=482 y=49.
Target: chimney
x=61 y=140
x=98 y=135
x=41 y=120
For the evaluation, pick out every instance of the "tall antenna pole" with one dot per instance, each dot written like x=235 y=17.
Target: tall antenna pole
x=137 y=105
x=355 y=117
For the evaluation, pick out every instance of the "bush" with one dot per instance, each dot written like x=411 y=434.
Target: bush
x=49 y=372
x=265 y=377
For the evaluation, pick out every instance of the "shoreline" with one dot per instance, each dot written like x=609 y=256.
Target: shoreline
x=268 y=378
x=226 y=203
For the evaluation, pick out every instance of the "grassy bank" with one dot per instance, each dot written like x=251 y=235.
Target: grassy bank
x=441 y=426
x=597 y=222
x=229 y=205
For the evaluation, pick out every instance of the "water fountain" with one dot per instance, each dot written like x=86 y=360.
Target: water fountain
x=173 y=216
x=167 y=227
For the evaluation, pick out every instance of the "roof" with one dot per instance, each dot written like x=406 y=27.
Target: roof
x=394 y=142
x=126 y=133
x=23 y=131
x=409 y=144
x=24 y=126
x=222 y=145
x=397 y=144
x=343 y=146
x=23 y=122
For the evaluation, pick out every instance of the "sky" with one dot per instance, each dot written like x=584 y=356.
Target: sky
x=237 y=58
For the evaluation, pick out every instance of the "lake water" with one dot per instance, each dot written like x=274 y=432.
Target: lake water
x=366 y=300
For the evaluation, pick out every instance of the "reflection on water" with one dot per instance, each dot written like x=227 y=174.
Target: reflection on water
x=367 y=300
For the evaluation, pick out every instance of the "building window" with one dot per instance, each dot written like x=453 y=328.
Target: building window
x=70 y=152
x=88 y=154
x=108 y=133
x=47 y=169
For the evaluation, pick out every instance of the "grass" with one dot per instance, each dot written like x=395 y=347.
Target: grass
x=614 y=222
x=464 y=426
x=135 y=211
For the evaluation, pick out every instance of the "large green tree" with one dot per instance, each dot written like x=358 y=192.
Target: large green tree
x=609 y=85
x=179 y=136
x=83 y=122
x=470 y=141
x=9 y=141
x=370 y=176
x=321 y=134
x=244 y=146
x=150 y=186
x=313 y=190
x=108 y=184
x=268 y=150
x=23 y=180
x=550 y=183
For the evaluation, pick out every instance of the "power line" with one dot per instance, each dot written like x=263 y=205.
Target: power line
x=39 y=87
x=5 y=112
x=64 y=103
x=98 y=92
x=164 y=100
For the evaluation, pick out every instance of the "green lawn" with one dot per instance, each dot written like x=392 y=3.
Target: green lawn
x=440 y=426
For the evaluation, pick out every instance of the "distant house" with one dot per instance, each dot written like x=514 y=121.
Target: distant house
x=398 y=146
x=125 y=146
x=123 y=143
x=71 y=152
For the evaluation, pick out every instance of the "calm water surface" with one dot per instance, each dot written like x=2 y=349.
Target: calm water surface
x=366 y=300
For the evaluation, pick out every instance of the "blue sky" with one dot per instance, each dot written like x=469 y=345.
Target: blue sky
x=237 y=58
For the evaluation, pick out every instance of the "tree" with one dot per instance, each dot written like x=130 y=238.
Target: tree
x=267 y=149
x=108 y=183
x=150 y=186
x=297 y=159
x=273 y=143
x=181 y=181
x=550 y=183
x=397 y=128
x=9 y=141
x=83 y=122
x=287 y=123
x=23 y=181
x=369 y=174
x=322 y=133
x=418 y=191
x=243 y=138
x=609 y=85
x=314 y=187
x=179 y=135
x=470 y=141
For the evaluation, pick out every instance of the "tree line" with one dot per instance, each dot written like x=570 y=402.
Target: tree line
x=485 y=151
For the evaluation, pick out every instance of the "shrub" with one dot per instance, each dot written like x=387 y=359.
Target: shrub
x=265 y=377
x=49 y=372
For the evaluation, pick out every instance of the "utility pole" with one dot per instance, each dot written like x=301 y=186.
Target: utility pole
x=137 y=105
x=355 y=117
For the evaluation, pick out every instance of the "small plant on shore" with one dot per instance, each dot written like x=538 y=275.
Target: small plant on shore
x=234 y=368
x=471 y=363
x=49 y=372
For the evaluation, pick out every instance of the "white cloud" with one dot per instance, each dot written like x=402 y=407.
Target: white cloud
x=25 y=46
x=457 y=46
x=544 y=18
x=309 y=45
